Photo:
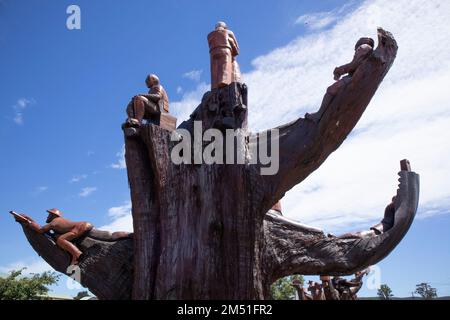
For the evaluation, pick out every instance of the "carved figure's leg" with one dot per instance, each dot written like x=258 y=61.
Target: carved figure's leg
x=64 y=243
x=327 y=99
x=221 y=68
x=139 y=103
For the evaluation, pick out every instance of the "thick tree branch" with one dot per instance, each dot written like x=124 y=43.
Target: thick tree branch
x=293 y=249
x=305 y=145
x=106 y=266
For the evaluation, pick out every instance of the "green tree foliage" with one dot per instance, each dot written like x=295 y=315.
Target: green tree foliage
x=282 y=289
x=81 y=295
x=385 y=293
x=426 y=291
x=18 y=287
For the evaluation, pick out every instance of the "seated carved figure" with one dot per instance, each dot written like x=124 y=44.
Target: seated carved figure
x=148 y=106
x=64 y=231
x=363 y=49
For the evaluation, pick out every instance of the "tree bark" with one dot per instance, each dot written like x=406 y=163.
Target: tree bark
x=106 y=266
x=206 y=231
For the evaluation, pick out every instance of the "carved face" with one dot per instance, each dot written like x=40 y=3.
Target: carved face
x=50 y=217
x=149 y=82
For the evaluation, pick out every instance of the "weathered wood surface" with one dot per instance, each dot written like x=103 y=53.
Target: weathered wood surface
x=207 y=239
x=291 y=248
x=106 y=267
x=205 y=231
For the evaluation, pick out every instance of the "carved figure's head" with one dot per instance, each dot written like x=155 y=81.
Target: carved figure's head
x=365 y=40
x=221 y=25
x=52 y=214
x=151 y=80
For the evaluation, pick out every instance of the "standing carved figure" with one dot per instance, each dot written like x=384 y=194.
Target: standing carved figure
x=301 y=292
x=329 y=290
x=316 y=290
x=363 y=49
x=223 y=49
x=148 y=106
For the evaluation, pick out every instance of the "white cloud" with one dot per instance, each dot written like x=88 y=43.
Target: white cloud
x=320 y=20
x=19 y=109
x=183 y=109
x=317 y=20
x=194 y=75
x=121 y=218
x=78 y=178
x=179 y=90
x=41 y=189
x=85 y=192
x=120 y=164
x=408 y=117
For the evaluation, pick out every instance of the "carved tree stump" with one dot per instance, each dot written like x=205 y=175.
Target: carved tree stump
x=201 y=231
x=206 y=231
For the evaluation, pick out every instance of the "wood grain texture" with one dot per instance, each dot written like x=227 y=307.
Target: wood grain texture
x=206 y=231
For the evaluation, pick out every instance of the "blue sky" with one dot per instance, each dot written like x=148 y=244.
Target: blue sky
x=63 y=94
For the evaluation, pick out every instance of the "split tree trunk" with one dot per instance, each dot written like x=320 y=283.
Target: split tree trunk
x=207 y=231
x=199 y=230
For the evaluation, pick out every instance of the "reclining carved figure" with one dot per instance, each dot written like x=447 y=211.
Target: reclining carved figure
x=64 y=231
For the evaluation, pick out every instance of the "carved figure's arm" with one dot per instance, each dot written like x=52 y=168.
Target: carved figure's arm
x=234 y=44
x=36 y=227
x=360 y=55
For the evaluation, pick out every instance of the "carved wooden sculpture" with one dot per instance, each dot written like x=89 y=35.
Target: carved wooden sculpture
x=207 y=232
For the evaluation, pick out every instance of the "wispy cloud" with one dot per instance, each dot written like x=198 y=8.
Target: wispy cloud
x=316 y=21
x=78 y=178
x=121 y=218
x=183 y=109
x=120 y=164
x=319 y=20
x=194 y=75
x=406 y=119
x=86 y=192
x=38 y=190
x=19 y=109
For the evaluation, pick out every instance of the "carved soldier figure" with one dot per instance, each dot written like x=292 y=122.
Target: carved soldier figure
x=328 y=289
x=148 y=106
x=363 y=49
x=301 y=292
x=385 y=224
x=64 y=229
x=358 y=283
x=349 y=288
x=316 y=290
x=388 y=220
x=223 y=49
